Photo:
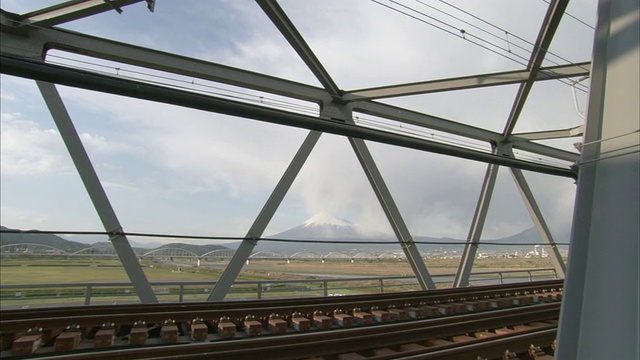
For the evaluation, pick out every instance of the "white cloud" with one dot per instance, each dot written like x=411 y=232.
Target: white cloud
x=8 y=96
x=24 y=219
x=101 y=145
x=361 y=44
x=28 y=149
x=216 y=150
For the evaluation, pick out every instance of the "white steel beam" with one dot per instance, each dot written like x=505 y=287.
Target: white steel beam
x=52 y=39
x=243 y=252
x=35 y=45
x=392 y=213
x=549 y=26
x=540 y=224
x=452 y=127
x=72 y=10
x=289 y=31
x=135 y=89
x=412 y=253
x=477 y=225
x=600 y=314
x=550 y=134
x=96 y=192
x=468 y=82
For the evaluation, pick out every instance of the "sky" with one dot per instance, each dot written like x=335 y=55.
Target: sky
x=168 y=169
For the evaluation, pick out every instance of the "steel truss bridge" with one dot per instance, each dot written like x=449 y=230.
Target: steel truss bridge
x=605 y=252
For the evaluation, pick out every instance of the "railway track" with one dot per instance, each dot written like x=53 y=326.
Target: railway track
x=383 y=326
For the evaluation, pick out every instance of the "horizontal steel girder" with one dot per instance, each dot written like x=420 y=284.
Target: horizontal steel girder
x=91 y=81
x=433 y=122
x=468 y=82
x=550 y=134
x=71 y=10
x=40 y=40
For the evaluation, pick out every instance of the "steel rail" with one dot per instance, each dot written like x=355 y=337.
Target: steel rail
x=487 y=349
x=322 y=343
x=20 y=317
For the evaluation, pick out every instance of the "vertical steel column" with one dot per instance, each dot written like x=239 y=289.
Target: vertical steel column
x=241 y=255
x=477 y=225
x=538 y=220
x=393 y=214
x=600 y=311
x=96 y=192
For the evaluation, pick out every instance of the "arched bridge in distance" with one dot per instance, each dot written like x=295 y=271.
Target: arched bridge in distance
x=172 y=253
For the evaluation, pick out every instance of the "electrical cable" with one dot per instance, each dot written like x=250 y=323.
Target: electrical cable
x=247 y=97
x=574 y=17
x=113 y=235
x=227 y=93
x=121 y=72
x=421 y=133
x=505 y=31
x=378 y=124
x=463 y=35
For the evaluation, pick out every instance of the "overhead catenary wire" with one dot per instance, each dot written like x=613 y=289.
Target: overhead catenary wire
x=465 y=35
x=500 y=29
x=188 y=84
x=479 y=28
x=315 y=110
x=120 y=71
x=259 y=98
x=376 y=124
x=456 y=33
x=244 y=96
x=113 y=235
x=421 y=132
x=574 y=18
x=503 y=30
x=225 y=92
x=406 y=129
x=434 y=136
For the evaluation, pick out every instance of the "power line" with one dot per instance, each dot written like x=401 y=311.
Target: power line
x=420 y=132
x=268 y=239
x=465 y=35
x=459 y=34
x=502 y=30
x=389 y=126
x=481 y=29
x=171 y=81
x=575 y=18
x=505 y=31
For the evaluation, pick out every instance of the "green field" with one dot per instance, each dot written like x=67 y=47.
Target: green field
x=26 y=271
x=49 y=271
x=67 y=271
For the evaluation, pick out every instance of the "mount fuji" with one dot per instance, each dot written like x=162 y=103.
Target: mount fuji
x=323 y=226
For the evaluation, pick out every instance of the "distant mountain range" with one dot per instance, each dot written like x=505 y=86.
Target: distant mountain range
x=321 y=227
x=72 y=246
x=41 y=239
x=324 y=226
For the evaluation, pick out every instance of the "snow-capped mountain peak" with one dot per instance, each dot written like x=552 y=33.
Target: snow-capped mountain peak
x=324 y=218
x=322 y=226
